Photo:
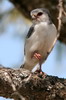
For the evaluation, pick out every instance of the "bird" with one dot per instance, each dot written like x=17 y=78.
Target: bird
x=40 y=39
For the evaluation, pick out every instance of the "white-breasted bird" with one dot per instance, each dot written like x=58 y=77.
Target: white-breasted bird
x=40 y=39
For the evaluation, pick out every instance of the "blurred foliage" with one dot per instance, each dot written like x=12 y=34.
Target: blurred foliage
x=10 y=15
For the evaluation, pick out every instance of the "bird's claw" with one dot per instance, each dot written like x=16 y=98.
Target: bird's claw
x=40 y=74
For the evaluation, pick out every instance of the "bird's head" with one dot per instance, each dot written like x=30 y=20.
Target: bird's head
x=40 y=14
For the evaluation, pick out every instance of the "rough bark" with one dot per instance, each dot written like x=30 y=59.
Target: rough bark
x=25 y=6
x=18 y=83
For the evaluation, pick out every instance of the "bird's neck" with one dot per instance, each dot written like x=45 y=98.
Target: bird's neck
x=45 y=21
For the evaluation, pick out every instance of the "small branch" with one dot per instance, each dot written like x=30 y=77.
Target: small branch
x=60 y=9
x=60 y=15
x=20 y=84
x=64 y=12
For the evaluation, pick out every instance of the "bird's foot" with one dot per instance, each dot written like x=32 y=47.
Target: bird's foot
x=37 y=56
x=40 y=73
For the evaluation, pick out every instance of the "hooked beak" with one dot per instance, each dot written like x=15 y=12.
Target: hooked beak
x=34 y=16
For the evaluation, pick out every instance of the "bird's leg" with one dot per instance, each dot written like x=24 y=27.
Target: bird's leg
x=38 y=57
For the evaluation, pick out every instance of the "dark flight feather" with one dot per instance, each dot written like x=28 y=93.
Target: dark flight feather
x=31 y=30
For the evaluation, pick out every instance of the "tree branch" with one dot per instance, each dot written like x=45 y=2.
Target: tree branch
x=19 y=83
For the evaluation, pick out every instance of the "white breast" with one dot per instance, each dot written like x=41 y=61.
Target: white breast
x=43 y=36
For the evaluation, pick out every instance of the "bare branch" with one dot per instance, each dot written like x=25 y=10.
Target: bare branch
x=64 y=12
x=60 y=9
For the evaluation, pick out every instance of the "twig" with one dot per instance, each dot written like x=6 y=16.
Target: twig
x=61 y=12
x=64 y=12
x=60 y=9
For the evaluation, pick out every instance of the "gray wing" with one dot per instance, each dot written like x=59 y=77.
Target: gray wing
x=31 y=30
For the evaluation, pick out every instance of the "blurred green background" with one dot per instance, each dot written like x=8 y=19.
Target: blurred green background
x=13 y=30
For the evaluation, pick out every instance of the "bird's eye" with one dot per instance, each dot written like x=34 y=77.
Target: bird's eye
x=39 y=14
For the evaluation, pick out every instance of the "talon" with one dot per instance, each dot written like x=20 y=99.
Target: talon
x=40 y=73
